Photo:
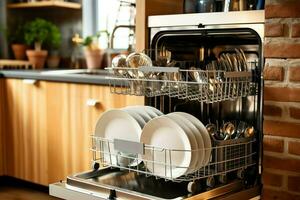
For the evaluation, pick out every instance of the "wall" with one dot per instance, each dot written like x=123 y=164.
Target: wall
x=281 y=162
x=3 y=44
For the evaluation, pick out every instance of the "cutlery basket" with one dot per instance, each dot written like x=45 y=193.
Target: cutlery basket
x=233 y=153
x=226 y=156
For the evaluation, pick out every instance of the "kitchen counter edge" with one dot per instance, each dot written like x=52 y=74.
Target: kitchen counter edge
x=66 y=78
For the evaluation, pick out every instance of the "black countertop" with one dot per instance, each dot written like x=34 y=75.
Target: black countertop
x=98 y=77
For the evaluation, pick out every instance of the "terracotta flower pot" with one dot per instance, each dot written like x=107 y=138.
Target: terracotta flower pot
x=53 y=61
x=93 y=58
x=19 y=51
x=37 y=58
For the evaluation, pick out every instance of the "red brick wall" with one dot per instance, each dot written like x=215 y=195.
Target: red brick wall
x=281 y=166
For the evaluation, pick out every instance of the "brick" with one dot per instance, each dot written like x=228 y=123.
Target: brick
x=294 y=74
x=272 y=179
x=274 y=30
x=274 y=73
x=282 y=94
x=269 y=194
x=294 y=183
x=296 y=30
x=270 y=110
x=294 y=148
x=271 y=144
x=284 y=10
x=287 y=164
x=285 y=129
x=282 y=50
x=295 y=112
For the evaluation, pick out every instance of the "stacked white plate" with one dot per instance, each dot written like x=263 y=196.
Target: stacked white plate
x=187 y=141
x=126 y=124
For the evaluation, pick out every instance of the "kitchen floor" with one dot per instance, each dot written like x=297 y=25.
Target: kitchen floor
x=23 y=193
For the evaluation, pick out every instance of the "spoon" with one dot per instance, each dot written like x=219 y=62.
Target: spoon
x=249 y=132
x=212 y=130
x=228 y=130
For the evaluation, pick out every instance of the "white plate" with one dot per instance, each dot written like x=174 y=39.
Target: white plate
x=200 y=153
x=163 y=132
x=156 y=111
x=116 y=124
x=204 y=133
x=152 y=112
x=142 y=112
x=136 y=116
x=194 y=144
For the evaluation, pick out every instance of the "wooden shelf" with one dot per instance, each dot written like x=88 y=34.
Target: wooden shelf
x=14 y=64
x=40 y=4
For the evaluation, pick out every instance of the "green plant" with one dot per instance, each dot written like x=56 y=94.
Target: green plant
x=16 y=36
x=3 y=31
x=92 y=42
x=40 y=31
x=54 y=39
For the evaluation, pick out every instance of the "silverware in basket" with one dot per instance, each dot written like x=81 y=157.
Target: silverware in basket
x=228 y=130
x=249 y=132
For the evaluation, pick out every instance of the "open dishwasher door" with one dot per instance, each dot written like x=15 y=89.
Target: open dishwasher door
x=213 y=71
x=114 y=184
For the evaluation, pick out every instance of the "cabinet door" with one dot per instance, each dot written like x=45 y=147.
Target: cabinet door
x=48 y=127
x=57 y=126
x=72 y=112
x=25 y=131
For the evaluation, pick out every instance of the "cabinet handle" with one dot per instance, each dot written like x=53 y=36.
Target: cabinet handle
x=29 y=81
x=92 y=102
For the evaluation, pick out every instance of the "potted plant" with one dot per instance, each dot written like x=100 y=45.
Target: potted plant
x=16 y=39
x=38 y=32
x=92 y=51
x=53 y=43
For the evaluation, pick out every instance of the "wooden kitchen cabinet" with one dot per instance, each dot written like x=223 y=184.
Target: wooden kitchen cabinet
x=145 y=8
x=50 y=127
x=25 y=137
x=2 y=126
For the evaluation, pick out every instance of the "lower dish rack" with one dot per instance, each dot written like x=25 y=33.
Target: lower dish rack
x=228 y=156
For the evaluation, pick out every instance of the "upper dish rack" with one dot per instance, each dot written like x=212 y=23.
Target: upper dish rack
x=193 y=84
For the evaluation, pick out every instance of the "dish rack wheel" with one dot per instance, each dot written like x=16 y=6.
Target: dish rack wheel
x=195 y=187
x=95 y=165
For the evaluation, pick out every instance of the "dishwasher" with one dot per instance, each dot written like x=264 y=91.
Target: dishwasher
x=208 y=65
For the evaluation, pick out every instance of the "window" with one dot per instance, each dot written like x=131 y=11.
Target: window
x=111 y=13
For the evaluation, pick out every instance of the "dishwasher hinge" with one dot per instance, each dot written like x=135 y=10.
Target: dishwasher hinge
x=200 y=25
x=112 y=195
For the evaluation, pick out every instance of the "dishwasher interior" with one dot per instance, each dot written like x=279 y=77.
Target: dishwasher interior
x=211 y=73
